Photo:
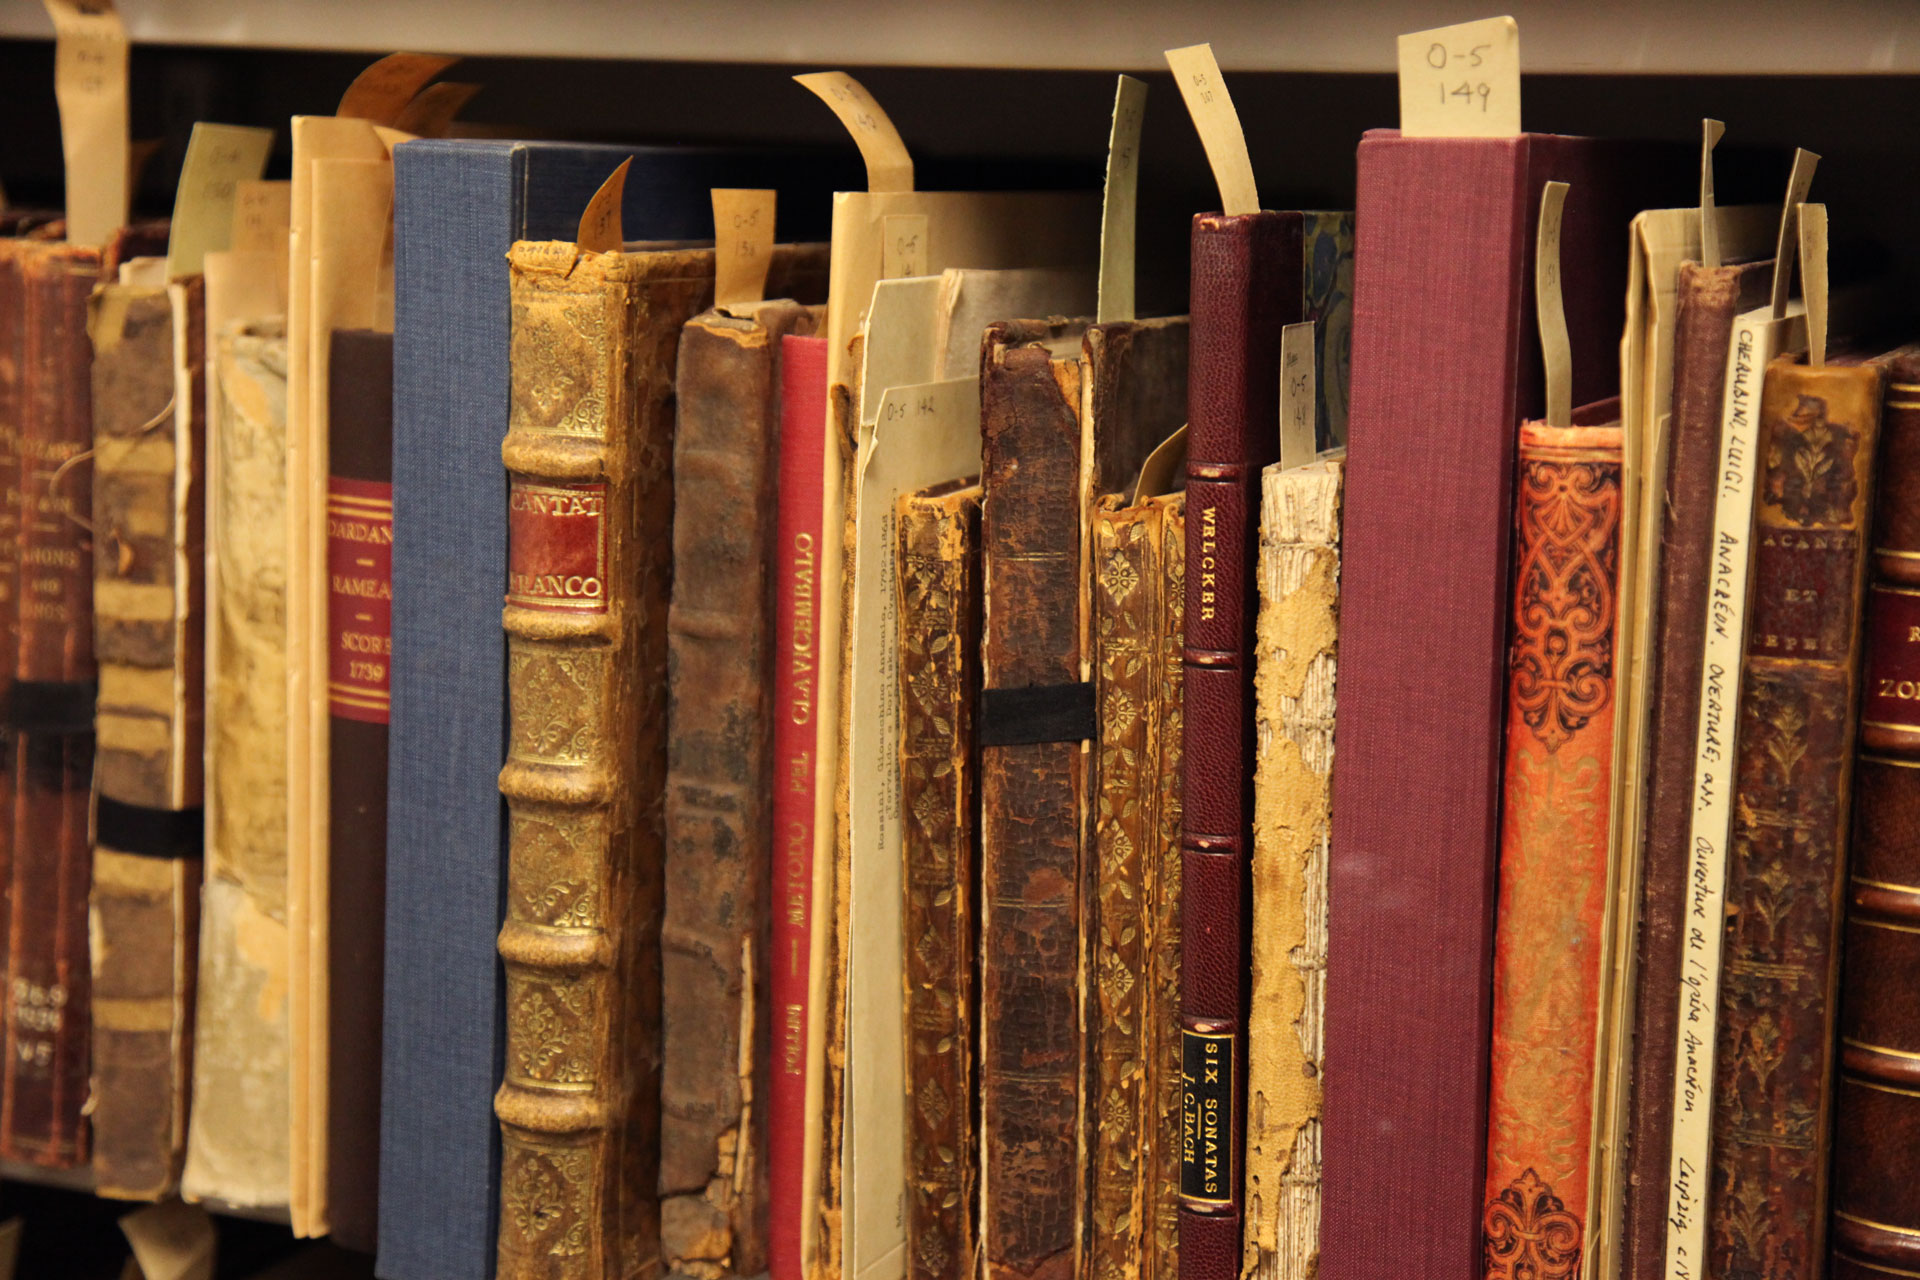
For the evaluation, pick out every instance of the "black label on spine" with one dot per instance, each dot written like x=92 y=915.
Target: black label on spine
x=1206 y=1117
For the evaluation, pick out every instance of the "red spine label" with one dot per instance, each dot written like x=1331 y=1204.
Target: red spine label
x=796 y=666
x=557 y=546
x=359 y=598
x=1893 y=659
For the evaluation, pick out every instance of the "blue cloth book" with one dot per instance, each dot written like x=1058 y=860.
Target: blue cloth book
x=458 y=205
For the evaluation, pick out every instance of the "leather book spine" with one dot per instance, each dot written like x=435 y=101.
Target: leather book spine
x=1553 y=849
x=1163 y=1063
x=1773 y=1075
x=939 y=584
x=1030 y=813
x=588 y=454
x=1129 y=602
x=13 y=410
x=149 y=388
x=44 y=1083
x=1294 y=670
x=1876 y=1109
x=797 y=551
x=237 y=1152
x=1708 y=300
x=716 y=1024
x=359 y=701
x=1247 y=285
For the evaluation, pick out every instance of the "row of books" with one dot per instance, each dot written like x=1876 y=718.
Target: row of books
x=894 y=824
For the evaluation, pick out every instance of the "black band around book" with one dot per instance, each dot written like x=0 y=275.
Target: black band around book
x=51 y=706
x=151 y=833
x=1036 y=713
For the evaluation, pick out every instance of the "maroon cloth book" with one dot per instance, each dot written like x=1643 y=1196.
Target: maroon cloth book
x=1446 y=363
x=1246 y=287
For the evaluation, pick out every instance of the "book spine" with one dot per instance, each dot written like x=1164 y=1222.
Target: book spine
x=1772 y=1083
x=13 y=408
x=1294 y=672
x=1553 y=854
x=238 y=1152
x=1876 y=1109
x=1030 y=806
x=359 y=704
x=1728 y=590
x=43 y=1085
x=796 y=729
x=1708 y=299
x=716 y=1027
x=150 y=547
x=1163 y=1046
x=939 y=587
x=1246 y=288
x=1129 y=590
x=582 y=902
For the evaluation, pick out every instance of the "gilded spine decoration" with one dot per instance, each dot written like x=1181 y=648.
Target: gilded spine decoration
x=588 y=450
x=1553 y=851
x=1294 y=645
x=1131 y=1019
x=938 y=549
x=1773 y=1073
x=1163 y=1048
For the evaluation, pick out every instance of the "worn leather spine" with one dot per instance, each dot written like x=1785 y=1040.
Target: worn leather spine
x=237 y=1151
x=1773 y=1074
x=1553 y=848
x=1133 y=1010
x=588 y=453
x=716 y=1018
x=1246 y=288
x=939 y=583
x=1030 y=812
x=1708 y=300
x=44 y=1084
x=13 y=408
x=149 y=389
x=1295 y=652
x=359 y=702
x=1876 y=1110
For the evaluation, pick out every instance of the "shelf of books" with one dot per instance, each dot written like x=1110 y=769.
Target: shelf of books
x=637 y=658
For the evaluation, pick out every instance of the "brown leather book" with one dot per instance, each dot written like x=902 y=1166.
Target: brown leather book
x=44 y=1083
x=149 y=453
x=360 y=646
x=1708 y=300
x=1876 y=1110
x=588 y=454
x=717 y=1024
x=1773 y=1071
x=1548 y=959
x=1034 y=716
x=1133 y=915
x=939 y=585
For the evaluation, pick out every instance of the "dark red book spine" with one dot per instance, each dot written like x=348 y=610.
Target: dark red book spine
x=1246 y=287
x=796 y=730
x=1445 y=365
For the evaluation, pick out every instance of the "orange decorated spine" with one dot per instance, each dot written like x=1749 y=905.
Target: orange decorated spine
x=1553 y=848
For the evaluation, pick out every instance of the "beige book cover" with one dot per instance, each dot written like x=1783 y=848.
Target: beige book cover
x=857 y=1172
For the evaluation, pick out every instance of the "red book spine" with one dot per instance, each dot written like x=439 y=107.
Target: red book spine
x=1247 y=285
x=1553 y=848
x=796 y=664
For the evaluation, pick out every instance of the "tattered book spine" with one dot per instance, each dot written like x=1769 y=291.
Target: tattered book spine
x=717 y=1027
x=1553 y=850
x=1773 y=1073
x=149 y=388
x=44 y=1082
x=1876 y=1111
x=588 y=453
x=939 y=584
x=237 y=1151
x=1030 y=813
x=1295 y=643
x=1133 y=918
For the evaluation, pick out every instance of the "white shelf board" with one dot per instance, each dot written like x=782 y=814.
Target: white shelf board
x=1775 y=37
